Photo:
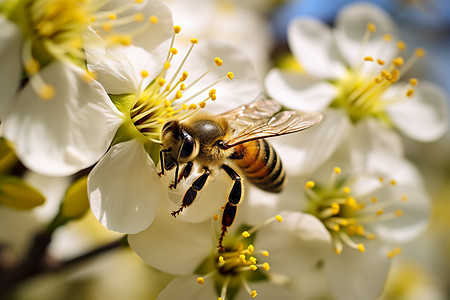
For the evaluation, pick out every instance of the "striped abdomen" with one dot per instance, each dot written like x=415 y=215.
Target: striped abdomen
x=260 y=164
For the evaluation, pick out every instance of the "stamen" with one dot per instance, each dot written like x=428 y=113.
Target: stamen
x=225 y=287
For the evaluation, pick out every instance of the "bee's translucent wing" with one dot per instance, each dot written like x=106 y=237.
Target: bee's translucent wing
x=245 y=115
x=268 y=126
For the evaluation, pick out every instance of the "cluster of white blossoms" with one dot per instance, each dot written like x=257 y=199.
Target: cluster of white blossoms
x=88 y=85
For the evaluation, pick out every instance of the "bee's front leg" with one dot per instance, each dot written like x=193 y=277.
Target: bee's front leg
x=185 y=172
x=191 y=193
x=230 y=210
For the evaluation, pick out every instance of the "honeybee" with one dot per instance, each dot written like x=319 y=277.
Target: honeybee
x=235 y=142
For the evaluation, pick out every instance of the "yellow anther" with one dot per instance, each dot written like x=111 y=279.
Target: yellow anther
x=230 y=75
x=378 y=79
x=178 y=95
x=253 y=294
x=396 y=251
x=153 y=19
x=139 y=17
x=371 y=27
x=218 y=61
x=253 y=267
x=250 y=248
x=413 y=81
x=193 y=106
x=398 y=61
x=166 y=65
x=310 y=184
x=409 y=93
x=399 y=212
x=266 y=266
x=144 y=73
x=112 y=16
x=212 y=94
x=47 y=92
x=393 y=182
x=220 y=298
x=202 y=104
x=194 y=41
x=279 y=218
x=242 y=258
x=395 y=75
x=245 y=234
x=337 y=251
x=346 y=190
x=182 y=87
x=200 y=280
x=92 y=19
x=350 y=201
x=380 y=212
x=360 y=230
x=216 y=216
x=184 y=76
x=361 y=248
x=107 y=26
x=221 y=259
x=380 y=179
x=167 y=87
x=176 y=29
x=336 y=228
x=265 y=253
x=173 y=50
x=32 y=66
x=368 y=58
x=374 y=199
x=420 y=52
x=139 y=1
x=252 y=260
x=371 y=236
x=335 y=208
x=161 y=81
x=167 y=103
x=387 y=37
x=184 y=107
x=380 y=62
x=337 y=170
x=161 y=120
x=401 y=45
x=404 y=198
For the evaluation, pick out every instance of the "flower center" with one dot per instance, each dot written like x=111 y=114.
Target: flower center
x=347 y=215
x=162 y=99
x=362 y=91
x=237 y=264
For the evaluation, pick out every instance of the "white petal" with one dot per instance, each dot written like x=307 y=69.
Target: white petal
x=265 y=290
x=208 y=201
x=351 y=25
x=124 y=188
x=67 y=133
x=120 y=69
x=154 y=35
x=313 y=46
x=424 y=116
x=187 y=288
x=295 y=245
x=173 y=246
x=244 y=88
x=306 y=151
x=371 y=136
x=355 y=275
x=10 y=49
x=299 y=91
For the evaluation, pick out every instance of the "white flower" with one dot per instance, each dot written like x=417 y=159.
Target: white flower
x=366 y=211
x=352 y=76
x=188 y=250
x=150 y=88
x=62 y=120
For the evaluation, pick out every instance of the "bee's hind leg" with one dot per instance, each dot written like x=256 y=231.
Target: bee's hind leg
x=191 y=193
x=185 y=172
x=230 y=210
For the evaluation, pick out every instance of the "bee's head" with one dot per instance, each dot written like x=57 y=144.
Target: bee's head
x=178 y=146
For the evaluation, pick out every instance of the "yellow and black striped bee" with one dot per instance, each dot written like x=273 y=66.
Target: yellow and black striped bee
x=234 y=141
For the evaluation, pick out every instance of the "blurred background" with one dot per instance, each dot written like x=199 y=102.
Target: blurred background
x=422 y=271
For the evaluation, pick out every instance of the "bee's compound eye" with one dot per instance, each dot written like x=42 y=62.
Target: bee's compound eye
x=188 y=147
x=171 y=126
